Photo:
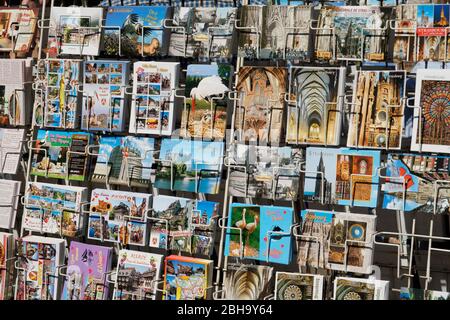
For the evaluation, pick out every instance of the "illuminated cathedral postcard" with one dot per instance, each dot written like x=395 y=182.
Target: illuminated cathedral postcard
x=315 y=105
x=349 y=176
x=260 y=111
x=431 y=133
x=124 y=160
x=376 y=118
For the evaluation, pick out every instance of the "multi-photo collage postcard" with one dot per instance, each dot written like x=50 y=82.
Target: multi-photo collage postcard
x=61 y=101
x=152 y=109
x=55 y=209
x=118 y=216
x=104 y=95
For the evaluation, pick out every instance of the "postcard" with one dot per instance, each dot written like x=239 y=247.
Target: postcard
x=282 y=35
x=6 y=265
x=124 y=161
x=251 y=25
x=136 y=31
x=55 y=209
x=247 y=282
x=193 y=166
x=191 y=224
x=39 y=257
x=74 y=31
x=420 y=294
x=418 y=174
x=203 y=33
x=137 y=275
x=187 y=278
x=313 y=245
x=314 y=115
x=264 y=172
x=153 y=107
x=11 y=142
x=350 y=246
x=58 y=106
x=432 y=23
x=18 y=27
x=118 y=216
x=430 y=129
x=86 y=270
x=405 y=31
x=357 y=30
x=15 y=92
x=259 y=114
x=298 y=286
x=266 y=230
x=60 y=155
x=360 y=289
x=342 y=176
x=206 y=104
x=376 y=119
x=9 y=198
x=104 y=95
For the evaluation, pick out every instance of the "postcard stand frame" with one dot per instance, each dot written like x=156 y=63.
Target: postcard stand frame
x=430 y=237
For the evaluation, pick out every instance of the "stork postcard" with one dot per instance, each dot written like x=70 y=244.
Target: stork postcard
x=265 y=233
x=74 y=31
x=315 y=105
x=419 y=172
x=118 y=216
x=376 y=118
x=124 y=160
x=192 y=166
x=153 y=106
x=104 y=95
x=136 y=31
x=203 y=33
x=60 y=155
x=432 y=111
x=264 y=172
x=205 y=110
x=259 y=114
x=342 y=176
